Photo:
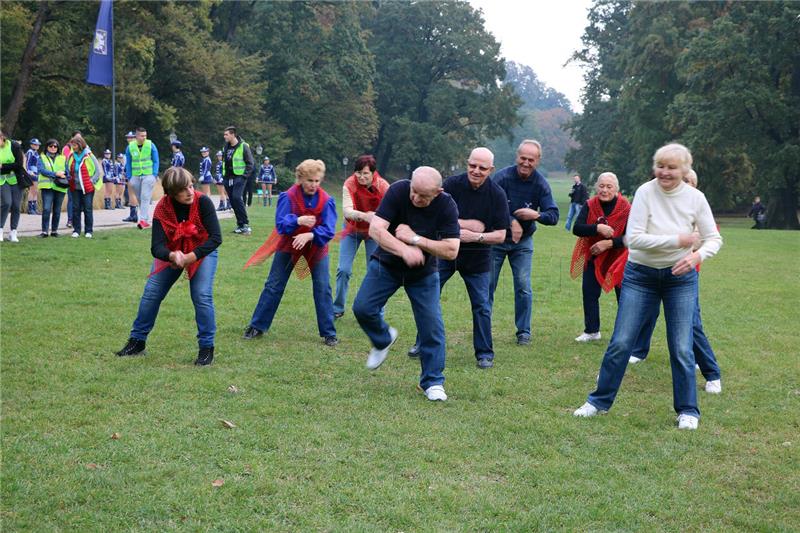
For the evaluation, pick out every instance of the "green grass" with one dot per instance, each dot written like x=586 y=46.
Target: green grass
x=321 y=443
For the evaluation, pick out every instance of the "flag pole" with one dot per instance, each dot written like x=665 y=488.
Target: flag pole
x=113 y=96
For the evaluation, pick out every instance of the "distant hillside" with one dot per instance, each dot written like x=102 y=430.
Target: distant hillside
x=543 y=113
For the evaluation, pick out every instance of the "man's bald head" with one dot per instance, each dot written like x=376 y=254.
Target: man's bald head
x=479 y=166
x=426 y=184
x=484 y=154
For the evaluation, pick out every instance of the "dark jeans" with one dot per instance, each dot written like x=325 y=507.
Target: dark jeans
x=591 y=299
x=248 y=190
x=235 y=189
x=643 y=291
x=51 y=203
x=82 y=203
x=378 y=286
x=11 y=197
x=201 y=289
x=272 y=294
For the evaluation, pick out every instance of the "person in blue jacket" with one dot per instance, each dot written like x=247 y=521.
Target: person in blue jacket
x=141 y=168
x=530 y=200
x=267 y=178
x=178 y=159
x=108 y=179
x=204 y=175
x=32 y=167
x=224 y=201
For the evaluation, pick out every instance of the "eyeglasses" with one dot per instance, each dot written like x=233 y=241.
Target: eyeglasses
x=52 y=146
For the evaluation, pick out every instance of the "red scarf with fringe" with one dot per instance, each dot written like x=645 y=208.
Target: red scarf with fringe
x=305 y=258
x=181 y=236
x=364 y=199
x=606 y=276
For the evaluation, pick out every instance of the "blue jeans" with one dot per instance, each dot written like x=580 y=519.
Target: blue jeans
x=520 y=256
x=574 y=210
x=348 y=248
x=200 y=287
x=272 y=294
x=643 y=290
x=51 y=203
x=478 y=291
x=703 y=353
x=378 y=286
x=82 y=203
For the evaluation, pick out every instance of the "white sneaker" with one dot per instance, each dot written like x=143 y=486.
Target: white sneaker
x=696 y=367
x=633 y=360
x=1 y=235
x=714 y=386
x=13 y=236
x=75 y=235
x=435 y=393
x=586 y=410
x=376 y=357
x=586 y=337
x=88 y=235
x=687 y=422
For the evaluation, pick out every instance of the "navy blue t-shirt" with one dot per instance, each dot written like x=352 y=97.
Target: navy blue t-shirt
x=437 y=221
x=487 y=203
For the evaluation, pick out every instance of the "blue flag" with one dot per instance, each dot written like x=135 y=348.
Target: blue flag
x=101 y=56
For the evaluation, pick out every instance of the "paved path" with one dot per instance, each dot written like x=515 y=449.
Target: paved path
x=104 y=219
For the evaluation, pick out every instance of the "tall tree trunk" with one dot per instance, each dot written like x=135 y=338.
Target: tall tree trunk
x=782 y=209
x=26 y=68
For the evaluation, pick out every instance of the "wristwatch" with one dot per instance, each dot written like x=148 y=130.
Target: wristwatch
x=415 y=239
x=480 y=237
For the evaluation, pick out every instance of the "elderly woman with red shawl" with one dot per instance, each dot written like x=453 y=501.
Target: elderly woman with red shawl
x=186 y=235
x=361 y=195
x=305 y=221
x=600 y=227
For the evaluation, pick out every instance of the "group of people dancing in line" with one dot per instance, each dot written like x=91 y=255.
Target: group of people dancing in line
x=418 y=232
x=129 y=178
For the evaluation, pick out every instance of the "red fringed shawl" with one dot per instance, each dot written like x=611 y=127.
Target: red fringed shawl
x=181 y=236
x=606 y=276
x=364 y=200
x=304 y=259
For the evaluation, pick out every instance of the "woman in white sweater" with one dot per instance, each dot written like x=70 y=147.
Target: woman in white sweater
x=661 y=268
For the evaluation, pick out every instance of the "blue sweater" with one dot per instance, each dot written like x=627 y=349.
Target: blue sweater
x=153 y=156
x=533 y=193
x=286 y=221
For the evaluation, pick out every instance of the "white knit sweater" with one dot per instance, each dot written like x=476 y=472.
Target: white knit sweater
x=657 y=218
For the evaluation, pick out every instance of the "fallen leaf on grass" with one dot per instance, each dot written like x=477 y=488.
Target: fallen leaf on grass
x=233 y=389
x=227 y=423
x=217 y=482
x=115 y=436
x=787 y=443
x=92 y=466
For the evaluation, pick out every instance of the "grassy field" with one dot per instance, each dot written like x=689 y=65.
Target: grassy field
x=320 y=443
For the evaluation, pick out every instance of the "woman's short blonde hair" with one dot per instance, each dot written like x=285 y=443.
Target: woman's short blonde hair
x=691 y=178
x=611 y=176
x=674 y=152
x=308 y=168
x=175 y=179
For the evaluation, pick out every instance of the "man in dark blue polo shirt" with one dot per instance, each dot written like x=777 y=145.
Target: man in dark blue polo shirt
x=483 y=219
x=415 y=224
x=529 y=200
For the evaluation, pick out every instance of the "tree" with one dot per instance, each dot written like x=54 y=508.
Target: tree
x=439 y=84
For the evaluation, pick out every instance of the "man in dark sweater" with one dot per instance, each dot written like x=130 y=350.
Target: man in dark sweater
x=529 y=200
x=577 y=199
x=483 y=219
x=237 y=165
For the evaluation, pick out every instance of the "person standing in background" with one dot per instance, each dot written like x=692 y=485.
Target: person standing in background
x=204 y=176
x=577 y=199
x=141 y=167
x=237 y=165
x=108 y=179
x=178 y=159
x=224 y=201
x=32 y=167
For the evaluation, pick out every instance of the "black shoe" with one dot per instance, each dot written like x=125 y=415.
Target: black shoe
x=134 y=347
x=204 y=356
x=337 y=316
x=54 y=234
x=523 y=339
x=130 y=219
x=485 y=363
x=252 y=333
x=414 y=351
x=43 y=235
x=331 y=341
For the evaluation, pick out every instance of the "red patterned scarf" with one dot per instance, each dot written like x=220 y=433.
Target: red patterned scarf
x=304 y=259
x=581 y=255
x=181 y=236
x=364 y=199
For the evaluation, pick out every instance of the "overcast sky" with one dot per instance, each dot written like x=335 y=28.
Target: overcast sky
x=542 y=34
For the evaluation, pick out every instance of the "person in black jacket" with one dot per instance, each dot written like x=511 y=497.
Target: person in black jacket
x=186 y=236
x=758 y=213
x=11 y=169
x=577 y=198
x=237 y=165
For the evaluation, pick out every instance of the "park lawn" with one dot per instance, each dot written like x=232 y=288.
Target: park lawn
x=322 y=443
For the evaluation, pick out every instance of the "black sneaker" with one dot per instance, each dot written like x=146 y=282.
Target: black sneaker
x=204 y=356
x=134 y=347
x=252 y=333
x=485 y=363
x=54 y=234
x=43 y=235
x=523 y=339
x=331 y=341
x=413 y=351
